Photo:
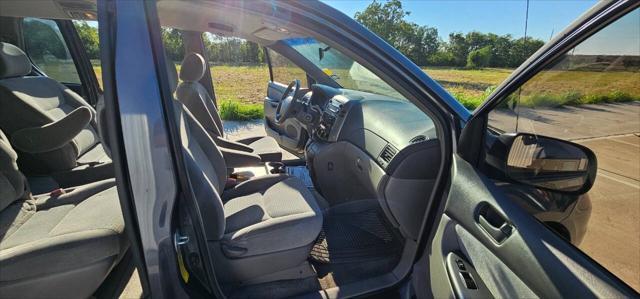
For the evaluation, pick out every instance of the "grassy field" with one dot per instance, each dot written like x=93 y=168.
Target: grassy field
x=241 y=89
x=469 y=87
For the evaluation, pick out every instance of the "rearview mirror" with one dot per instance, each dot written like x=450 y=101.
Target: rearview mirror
x=550 y=163
x=321 y=52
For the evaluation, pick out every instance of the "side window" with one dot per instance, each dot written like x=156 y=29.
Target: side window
x=284 y=71
x=47 y=49
x=238 y=69
x=591 y=96
x=88 y=32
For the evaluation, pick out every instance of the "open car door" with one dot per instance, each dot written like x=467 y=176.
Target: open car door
x=485 y=243
x=488 y=246
x=291 y=134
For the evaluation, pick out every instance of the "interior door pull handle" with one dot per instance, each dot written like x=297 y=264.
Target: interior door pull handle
x=499 y=234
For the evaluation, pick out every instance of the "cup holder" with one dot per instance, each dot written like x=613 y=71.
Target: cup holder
x=277 y=167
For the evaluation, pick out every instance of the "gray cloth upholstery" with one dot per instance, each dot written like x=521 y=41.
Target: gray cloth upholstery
x=56 y=246
x=13 y=62
x=94 y=154
x=45 y=237
x=269 y=217
x=265 y=147
x=263 y=217
x=34 y=102
x=103 y=133
x=12 y=182
x=197 y=99
x=37 y=140
x=203 y=161
x=235 y=158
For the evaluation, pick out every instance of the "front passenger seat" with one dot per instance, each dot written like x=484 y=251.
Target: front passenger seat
x=261 y=229
x=196 y=98
x=52 y=128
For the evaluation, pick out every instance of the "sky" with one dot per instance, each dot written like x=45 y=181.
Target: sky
x=619 y=38
x=546 y=17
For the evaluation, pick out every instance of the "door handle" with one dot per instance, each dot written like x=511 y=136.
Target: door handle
x=494 y=224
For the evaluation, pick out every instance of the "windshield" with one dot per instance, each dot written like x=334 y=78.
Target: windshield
x=342 y=69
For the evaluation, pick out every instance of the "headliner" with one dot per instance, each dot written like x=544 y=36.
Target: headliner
x=222 y=17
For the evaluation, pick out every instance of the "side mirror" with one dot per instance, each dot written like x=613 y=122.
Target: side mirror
x=549 y=163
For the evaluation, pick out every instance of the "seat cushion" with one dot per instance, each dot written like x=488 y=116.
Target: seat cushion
x=96 y=154
x=269 y=214
x=267 y=148
x=52 y=236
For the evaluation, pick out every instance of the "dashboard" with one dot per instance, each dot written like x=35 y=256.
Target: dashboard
x=379 y=125
x=365 y=146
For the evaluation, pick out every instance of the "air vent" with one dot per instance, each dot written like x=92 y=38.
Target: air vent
x=419 y=138
x=387 y=154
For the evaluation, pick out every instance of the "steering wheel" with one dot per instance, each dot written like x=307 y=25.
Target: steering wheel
x=286 y=102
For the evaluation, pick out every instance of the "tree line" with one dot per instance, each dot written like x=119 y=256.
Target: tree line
x=221 y=50
x=422 y=45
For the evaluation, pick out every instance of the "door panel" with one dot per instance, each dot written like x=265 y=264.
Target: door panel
x=524 y=259
x=291 y=135
x=274 y=94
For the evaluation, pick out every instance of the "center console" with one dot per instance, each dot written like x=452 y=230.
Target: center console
x=331 y=118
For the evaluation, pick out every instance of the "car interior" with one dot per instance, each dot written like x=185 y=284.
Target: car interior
x=345 y=218
x=341 y=220
x=60 y=218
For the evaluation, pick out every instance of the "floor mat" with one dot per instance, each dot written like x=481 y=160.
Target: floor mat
x=356 y=235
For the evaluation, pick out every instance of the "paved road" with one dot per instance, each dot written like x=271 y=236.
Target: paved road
x=613 y=234
x=574 y=123
x=612 y=131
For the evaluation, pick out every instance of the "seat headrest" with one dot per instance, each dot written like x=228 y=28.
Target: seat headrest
x=12 y=181
x=193 y=68
x=13 y=62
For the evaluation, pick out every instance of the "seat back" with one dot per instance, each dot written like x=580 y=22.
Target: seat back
x=195 y=97
x=205 y=164
x=35 y=101
x=13 y=184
